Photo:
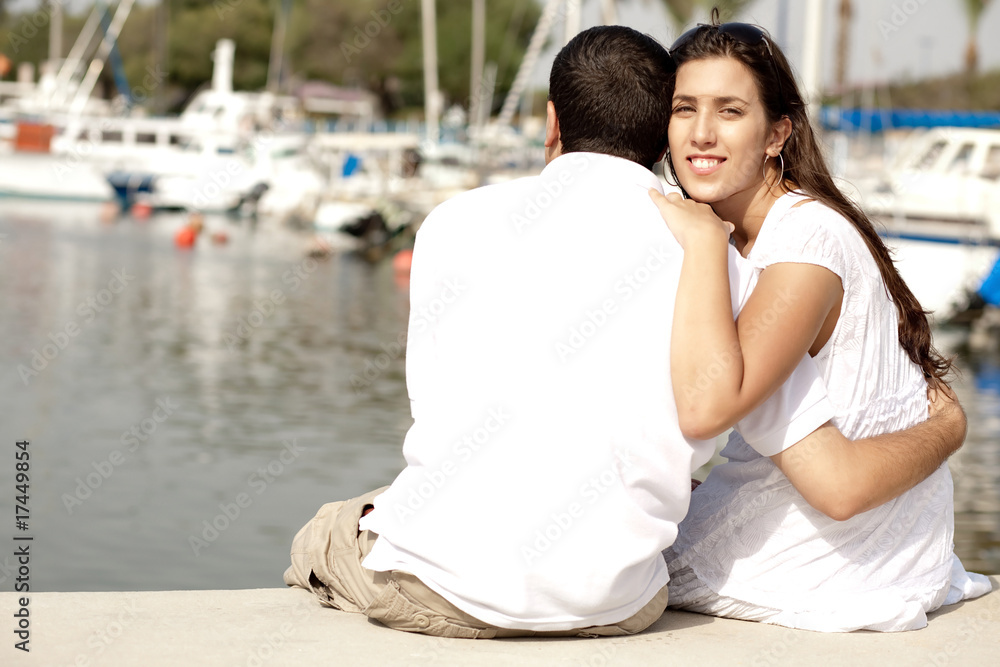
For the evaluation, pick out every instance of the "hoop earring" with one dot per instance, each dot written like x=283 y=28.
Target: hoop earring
x=663 y=168
x=781 y=175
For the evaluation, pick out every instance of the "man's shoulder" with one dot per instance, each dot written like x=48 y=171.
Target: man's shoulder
x=492 y=192
x=480 y=202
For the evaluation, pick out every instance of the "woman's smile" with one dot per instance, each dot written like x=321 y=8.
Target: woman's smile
x=703 y=165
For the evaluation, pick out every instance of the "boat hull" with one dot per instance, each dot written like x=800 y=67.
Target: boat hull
x=943 y=262
x=48 y=177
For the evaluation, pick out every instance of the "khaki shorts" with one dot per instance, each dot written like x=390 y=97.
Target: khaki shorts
x=326 y=559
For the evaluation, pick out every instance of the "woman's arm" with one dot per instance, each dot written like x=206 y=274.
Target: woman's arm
x=722 y=370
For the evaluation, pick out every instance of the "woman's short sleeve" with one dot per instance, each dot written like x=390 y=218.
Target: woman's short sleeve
x=808 y=234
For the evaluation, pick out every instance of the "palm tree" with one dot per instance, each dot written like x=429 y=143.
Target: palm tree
x=973 y=12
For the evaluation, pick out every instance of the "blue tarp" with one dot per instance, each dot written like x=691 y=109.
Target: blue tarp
x=352 y=165
x=990 y=289
x=988 y=378
x=876 y=120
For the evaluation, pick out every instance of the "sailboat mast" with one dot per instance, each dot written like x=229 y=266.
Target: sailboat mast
x=56 y=32
x=574 y=18
x=529 y=61
x=811 y=57
x=97 y=63
x=276 y=62
x=609 y=12
x=478 y=60
x=431 y=94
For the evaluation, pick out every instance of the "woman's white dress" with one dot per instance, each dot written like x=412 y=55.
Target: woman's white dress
x=752 y=548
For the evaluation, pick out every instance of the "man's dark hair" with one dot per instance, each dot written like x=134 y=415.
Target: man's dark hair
x=611 y=89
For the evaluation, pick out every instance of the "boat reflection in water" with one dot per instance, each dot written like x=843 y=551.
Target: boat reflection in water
x=284 y=386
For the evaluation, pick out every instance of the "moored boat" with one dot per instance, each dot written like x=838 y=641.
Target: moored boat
x=938 y=205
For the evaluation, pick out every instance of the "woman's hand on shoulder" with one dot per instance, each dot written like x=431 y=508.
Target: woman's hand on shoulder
x=689 y=221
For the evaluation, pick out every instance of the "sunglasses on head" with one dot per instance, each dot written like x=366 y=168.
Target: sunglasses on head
x=744 y=33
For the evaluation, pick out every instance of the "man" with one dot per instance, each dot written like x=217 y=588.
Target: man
x=545 y=469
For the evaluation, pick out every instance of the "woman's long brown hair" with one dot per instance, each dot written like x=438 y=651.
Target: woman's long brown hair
x=806 y=170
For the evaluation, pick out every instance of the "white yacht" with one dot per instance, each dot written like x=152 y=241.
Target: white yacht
x=939 y=204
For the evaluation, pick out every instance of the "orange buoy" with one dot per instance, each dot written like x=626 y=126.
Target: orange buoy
x=142 y=210
x=402 y=260
x=185 y=237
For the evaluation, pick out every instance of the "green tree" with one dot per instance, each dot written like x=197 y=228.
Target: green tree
x=349 y=44
x=680 y=12
x=194 y=28
x=352 y=43
x=21 y=40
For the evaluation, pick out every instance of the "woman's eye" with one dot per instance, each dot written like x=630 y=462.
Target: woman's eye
x=683 y=108
x=732 y=112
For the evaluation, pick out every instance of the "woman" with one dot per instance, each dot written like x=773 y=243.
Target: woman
x=752 y=547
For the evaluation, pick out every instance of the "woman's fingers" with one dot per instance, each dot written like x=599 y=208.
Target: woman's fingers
x=685 y=216
x=664 y=204
x=660 y=199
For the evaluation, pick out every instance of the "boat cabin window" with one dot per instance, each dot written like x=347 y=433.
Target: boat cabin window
x=145 y=138
x=930 y=156
x=111 y=135
x=991 y=169
x=960 y=163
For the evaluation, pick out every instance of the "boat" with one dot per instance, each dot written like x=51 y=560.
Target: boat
x=224 y=149
x=945 y=175
x=938 y=207
x=29 y=170
x=220 y=154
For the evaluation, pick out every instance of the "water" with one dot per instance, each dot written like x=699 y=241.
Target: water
x=197 y=407
x=976 y=467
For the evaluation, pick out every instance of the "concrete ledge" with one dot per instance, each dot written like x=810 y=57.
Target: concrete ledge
x=277 y=627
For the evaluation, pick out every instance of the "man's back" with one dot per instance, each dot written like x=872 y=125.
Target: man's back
x=546 y=470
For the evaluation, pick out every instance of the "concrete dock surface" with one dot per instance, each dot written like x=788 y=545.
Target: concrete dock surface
x=275 y=627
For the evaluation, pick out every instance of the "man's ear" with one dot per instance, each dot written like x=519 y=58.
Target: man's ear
x=552 y=136
x=780 y=132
